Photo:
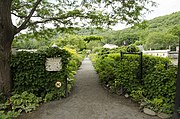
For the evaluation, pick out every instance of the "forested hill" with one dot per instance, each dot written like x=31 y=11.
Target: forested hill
x=164 y=22
x=158 y=33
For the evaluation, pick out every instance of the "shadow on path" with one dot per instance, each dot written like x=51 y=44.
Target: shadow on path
x=88 y=100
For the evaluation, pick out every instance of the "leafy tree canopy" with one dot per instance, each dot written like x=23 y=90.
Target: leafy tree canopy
x=175 y=30
x=92 y=38
x=35 y=14
x=68 y=40
x=158 y=40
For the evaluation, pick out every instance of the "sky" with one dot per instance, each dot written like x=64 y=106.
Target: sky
x=164 y=7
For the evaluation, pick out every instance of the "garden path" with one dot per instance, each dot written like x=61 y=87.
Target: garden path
x=89 y=100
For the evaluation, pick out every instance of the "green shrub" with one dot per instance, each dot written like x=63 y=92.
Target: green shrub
x=137 y=95
x=161 y=84
x=106 y=69
x=132 y=48
x=157 y=88
x=25 y=102
x=29 y=72
x=149 y=63
x=18 y=103
x=126 y=75
x=48 y=97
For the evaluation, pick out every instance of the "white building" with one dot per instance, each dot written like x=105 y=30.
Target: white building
x=160 y=53
x=110 y=46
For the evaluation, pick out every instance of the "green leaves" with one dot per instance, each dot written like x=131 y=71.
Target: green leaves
x=65 y=13
x=9 y=114
x=25 y=102
x=163 y=84
x=71 y=41
x=132 y=48
x=28 y=70
x=92 y=38
x=175 y=31
x=29 y=73
x=158 y=33
x=18 y=103
x=156 y=89
x=160 y=40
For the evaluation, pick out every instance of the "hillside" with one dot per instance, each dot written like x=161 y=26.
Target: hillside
x=156 y=35
x=165 y=22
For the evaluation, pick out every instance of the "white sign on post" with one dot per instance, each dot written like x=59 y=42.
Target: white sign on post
x=53 y=64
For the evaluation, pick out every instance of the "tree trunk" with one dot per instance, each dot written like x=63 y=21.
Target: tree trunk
x=177 y=99
x=6 y=37
x=5 y=75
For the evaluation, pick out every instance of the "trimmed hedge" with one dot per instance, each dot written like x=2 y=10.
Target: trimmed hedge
x=156 y=89
x=29 y=73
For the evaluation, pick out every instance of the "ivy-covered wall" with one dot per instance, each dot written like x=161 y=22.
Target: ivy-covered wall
x=29 y=73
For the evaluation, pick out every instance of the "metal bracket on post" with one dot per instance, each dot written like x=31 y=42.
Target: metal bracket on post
x=166 y=65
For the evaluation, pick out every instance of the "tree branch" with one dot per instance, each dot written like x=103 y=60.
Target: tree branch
x=23 y=25
x=23 y=16
x=58 y=19
x=20 y=16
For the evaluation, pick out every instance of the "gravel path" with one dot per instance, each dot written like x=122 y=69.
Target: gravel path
x=89 y=100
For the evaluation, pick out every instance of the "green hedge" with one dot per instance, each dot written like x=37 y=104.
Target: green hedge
x=156 y=89
x=160 y=88
x=29 y=73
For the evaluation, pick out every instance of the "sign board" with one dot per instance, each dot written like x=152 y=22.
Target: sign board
x=53 y=64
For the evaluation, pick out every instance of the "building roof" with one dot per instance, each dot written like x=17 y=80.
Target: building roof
x=141 y=48
x=110 y=46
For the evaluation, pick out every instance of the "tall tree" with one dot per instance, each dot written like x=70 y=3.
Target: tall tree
x=160 y=40
x=38 y=14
